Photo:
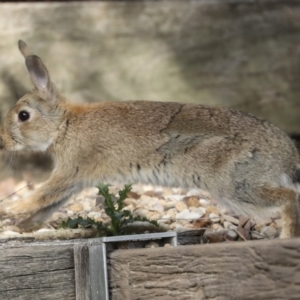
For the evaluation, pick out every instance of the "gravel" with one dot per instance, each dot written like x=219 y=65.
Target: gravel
x=173 y=208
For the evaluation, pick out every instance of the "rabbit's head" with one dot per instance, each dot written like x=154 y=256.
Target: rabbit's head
x=32 y=123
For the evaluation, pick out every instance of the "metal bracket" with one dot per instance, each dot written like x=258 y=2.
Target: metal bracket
x=91 y=260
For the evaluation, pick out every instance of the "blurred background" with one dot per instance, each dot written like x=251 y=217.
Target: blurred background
x=241 y=54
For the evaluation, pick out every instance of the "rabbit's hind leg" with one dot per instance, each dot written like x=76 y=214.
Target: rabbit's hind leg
x=288 y=199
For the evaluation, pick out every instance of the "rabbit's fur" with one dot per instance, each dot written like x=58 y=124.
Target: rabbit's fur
x=245 y=162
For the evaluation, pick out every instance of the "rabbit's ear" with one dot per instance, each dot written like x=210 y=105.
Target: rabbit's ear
x=23 y=48
x=38 y=73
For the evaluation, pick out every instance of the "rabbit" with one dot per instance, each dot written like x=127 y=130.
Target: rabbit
x=246 y=163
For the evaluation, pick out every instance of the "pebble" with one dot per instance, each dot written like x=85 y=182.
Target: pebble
x=232 y=235
x=153 y=215
x=181 y=206
x=130 y=207
x=217 y=227
x=145 y=200
x=204 y=202
x=87 y=206
x=229 y=225
x=166 y=219
x=175 y=198
x=192 y=201
x=130 y=201
x=94 y=215
x=168 y=204
x=147 y=187
x=193 y=192
x=255 y=235
x=177 y=190
x=212 y=209
x=133 y=195
x=70 y=213
x=167 y=192
x=268 y=231
x=231 y=219
x=141 y=212
x=187 y=215
x=178 y=227
x=172 y=213
x=214 y=217
x=199 y=210
x=150 y=193
x=76 y=208
x=158 y=207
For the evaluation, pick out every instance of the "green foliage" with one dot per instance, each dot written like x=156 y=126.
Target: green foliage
x=114 y=208
x=81 y=222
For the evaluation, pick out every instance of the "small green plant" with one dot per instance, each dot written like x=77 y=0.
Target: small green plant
x=120 y=218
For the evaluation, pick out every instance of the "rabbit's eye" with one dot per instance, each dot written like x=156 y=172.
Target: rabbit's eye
x=23 y=115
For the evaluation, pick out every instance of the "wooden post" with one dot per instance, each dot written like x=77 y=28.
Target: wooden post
x=90 y=266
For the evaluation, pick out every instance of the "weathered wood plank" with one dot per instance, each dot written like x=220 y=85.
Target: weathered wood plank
x=82 y=272
x=90 y=270
x=98 y=271
x=246 y=270
x=37 y=272
x=251 y=270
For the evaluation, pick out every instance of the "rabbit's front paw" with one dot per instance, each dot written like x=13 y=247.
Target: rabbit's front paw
x=35 y=221
x=19 y=207
x=30 y=224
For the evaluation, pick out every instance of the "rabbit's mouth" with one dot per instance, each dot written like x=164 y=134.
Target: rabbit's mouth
x=11 y=143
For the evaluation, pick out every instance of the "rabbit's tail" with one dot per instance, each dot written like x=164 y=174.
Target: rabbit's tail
x=292 y=182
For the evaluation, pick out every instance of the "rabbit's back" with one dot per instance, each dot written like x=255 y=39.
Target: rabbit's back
x=224 y=151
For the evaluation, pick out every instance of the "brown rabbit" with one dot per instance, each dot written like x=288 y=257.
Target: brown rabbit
x=248 y=164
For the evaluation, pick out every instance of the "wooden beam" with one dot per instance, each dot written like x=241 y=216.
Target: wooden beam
x=245 y=270
x=37 y=272
x=82 y=274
